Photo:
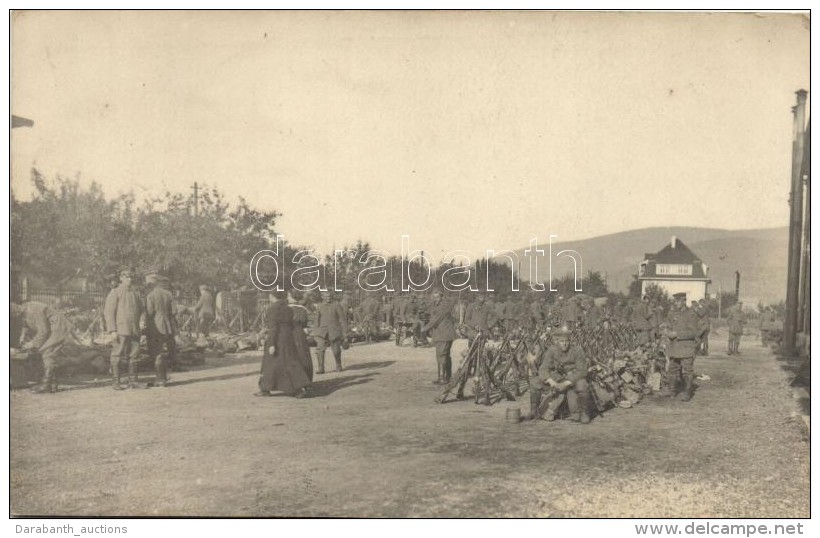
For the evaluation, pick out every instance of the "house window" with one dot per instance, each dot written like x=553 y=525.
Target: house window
x=675 y=269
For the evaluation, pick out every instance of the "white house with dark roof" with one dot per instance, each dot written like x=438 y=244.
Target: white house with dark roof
x=675 y=268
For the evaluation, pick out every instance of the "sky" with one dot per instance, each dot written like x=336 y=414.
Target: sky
x=465 y=131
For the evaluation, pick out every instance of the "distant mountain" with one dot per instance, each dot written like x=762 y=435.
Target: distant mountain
x=760 y=255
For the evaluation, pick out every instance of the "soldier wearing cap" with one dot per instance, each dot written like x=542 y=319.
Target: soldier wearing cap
x=735 y=320
x=479 y=317
x=160 y=325
x=443 y=332
x=330 y=330
x=681 y=349
x=205 y=310
x=564 y=371
x=124 y=312
x=642 y=321
x=51 y=330
x=370 y=308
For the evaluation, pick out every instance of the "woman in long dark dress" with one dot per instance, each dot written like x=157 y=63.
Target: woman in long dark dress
x=297 y=305
x=282 y=368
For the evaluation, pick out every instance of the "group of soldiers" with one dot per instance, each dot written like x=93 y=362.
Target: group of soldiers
x=131 y=312
x=128 y=313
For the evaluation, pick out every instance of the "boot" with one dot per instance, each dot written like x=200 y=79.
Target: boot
x=535 y=401
x=440 y=379
x=320 y=363
x=338 y=364
x=115 y=376
x=161 y=372
x=583 y=404
x=133 y=383
x=686 y=395
x=48 y=384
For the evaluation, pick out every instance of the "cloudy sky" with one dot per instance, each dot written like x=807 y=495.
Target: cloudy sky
x=463 y=130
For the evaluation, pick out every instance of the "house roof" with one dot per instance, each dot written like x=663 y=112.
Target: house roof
x=674 y=253
x=679 y=253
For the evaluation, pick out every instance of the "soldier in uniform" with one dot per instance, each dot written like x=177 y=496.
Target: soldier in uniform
x=51 y=330
x=735 y=320
x=479 y=317
x=537 y=312
x=205 y=310
x=564 y=371
x=443 y=333
x=124 y=311
x=160 y=325
x=347 y=306
x=571 y=313
x=331 y=329
x=510 y=315
x=410 y=315
x=642 y=321
x=681 y=349
x=370 y=315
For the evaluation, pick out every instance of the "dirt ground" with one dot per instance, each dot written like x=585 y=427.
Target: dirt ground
x=371 y=442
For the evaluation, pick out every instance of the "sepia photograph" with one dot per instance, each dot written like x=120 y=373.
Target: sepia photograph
x=395 y=264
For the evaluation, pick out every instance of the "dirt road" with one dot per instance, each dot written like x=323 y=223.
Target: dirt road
x=371 y=442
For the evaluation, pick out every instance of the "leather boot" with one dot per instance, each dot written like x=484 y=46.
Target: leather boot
x=161 y=372
x=48 y=384
x=133 y=383
x=115 y=377
x=338 y=364
x=535 y=401
x=320 y=362
x=686 y=395
x=583 y=405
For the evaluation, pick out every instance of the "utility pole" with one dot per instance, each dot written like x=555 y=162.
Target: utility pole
x=795 y=225
x=196 y=199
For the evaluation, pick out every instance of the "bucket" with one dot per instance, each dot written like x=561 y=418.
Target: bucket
x=513 y=415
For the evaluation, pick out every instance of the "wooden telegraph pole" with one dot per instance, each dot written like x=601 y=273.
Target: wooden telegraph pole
x=795 y=225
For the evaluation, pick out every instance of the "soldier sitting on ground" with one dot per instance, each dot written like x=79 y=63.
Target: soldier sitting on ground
x=563 y=372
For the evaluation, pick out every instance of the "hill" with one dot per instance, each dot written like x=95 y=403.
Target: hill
x=760 y=255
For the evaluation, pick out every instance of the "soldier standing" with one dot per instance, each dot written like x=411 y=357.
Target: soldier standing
x=479 y=317
x=681 y=349
x=370 y=315
x=123 y=314
x=564 y=371
x=160 y=325
x=331 y=329
x=735 y=321
x=205 y=310
x=51 y=330
x=642 y=321
x=443 y=333
x=571 y=313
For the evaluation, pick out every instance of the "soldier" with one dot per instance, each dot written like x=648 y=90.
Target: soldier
x=410 y=316
x=160 y=325
x=564 y=371
x=124 y=312
x=642 y=321
x=443 y=333
x=479 y=317
x=735 y=320
x=331 y=329
x=510 y=315
x=205 y=310
x=571 y=313
x=51 y=330
x=707 y=318
x=538 y=311
x=370 y=316
x=347 y=306
x=681 y=349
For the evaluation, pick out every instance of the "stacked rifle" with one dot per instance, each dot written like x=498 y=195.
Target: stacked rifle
x=621 y=371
